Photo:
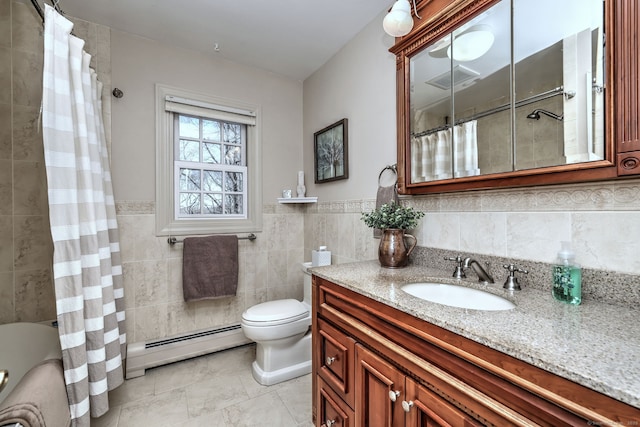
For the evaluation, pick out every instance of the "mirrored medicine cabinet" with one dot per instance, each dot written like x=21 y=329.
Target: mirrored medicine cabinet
x=517 y=92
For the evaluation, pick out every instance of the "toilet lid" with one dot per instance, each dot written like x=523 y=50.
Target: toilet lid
x=288 y=310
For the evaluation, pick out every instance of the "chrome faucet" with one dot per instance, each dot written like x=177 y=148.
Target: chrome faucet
x=483 y=276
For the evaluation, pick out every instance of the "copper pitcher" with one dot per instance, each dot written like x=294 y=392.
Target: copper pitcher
x=393 y=252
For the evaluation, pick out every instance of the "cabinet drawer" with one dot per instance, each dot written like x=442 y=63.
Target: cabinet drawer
x=426 y=409
x=337 y=352
x=332 y=410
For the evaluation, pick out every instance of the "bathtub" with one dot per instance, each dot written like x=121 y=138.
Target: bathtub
x=23 y=346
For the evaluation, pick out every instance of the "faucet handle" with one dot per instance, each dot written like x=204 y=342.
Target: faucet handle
x=512 y=281
x=458 y=273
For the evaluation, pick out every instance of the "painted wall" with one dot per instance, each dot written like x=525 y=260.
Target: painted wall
x=138 y=64
x=520 y=224
x=357 y=83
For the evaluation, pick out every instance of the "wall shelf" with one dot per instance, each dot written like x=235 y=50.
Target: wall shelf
x=297 y=200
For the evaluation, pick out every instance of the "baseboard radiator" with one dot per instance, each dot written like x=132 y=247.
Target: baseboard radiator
x=145 y=355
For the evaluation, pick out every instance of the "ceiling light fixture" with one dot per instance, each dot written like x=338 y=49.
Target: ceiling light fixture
x=398 y=21
x=471 y=44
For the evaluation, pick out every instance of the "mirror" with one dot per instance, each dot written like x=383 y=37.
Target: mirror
x=513 y=93
x=515 y=88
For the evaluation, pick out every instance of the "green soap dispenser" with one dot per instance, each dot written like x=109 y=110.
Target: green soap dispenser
x=567 y=277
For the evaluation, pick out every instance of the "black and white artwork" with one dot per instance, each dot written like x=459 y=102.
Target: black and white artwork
x=331 y=160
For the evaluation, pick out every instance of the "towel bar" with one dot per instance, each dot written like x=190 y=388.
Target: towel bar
x=172 y=240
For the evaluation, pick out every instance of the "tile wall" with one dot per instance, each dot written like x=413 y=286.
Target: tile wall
x=26 y=250
x=521 y=225
x=269 y=268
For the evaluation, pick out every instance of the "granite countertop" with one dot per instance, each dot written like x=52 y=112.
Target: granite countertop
x=594 y=344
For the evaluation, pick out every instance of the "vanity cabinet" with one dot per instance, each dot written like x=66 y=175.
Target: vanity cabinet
x=374 y=365
x=388 y=397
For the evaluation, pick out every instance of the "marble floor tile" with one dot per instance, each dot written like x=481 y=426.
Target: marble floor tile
x=216 y=390
x=179 y=375
x=166 y=409
x=297 y=397
x=266 y=409
x=214 y=393
x=132 y=390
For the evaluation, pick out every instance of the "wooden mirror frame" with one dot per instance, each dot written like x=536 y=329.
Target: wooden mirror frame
x=622 y=100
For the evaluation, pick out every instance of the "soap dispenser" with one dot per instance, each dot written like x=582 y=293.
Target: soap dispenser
x=567 y=277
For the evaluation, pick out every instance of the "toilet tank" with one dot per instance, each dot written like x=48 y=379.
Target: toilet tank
x=306 y=282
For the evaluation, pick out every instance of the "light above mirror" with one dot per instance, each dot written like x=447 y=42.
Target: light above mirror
x=471 y=44
x=398 y=21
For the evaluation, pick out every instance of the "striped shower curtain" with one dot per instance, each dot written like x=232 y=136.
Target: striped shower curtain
x=86 y=261
x=434 y=157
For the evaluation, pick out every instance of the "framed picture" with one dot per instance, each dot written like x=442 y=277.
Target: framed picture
x=331 y=161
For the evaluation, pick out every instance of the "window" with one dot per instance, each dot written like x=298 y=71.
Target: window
x=210 y=168
x=208 y=165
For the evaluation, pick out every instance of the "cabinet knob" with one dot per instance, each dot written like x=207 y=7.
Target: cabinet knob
x=329 y=423
x=393 y=395
x=330 y=360
x=407 y=405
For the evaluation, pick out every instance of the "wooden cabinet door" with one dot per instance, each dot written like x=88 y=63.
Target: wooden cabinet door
x=380 y=391
x=332 y=410
x=336 y=356
x=427 y=409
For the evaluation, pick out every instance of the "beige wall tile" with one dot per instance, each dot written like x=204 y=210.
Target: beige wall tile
x=181 y=318
x=6 y=187
x=536 y=236
x=34 y=296
x=7 y=298
x=103 y=64
x=607 y=240
x=442 y=230
x=483 y=233
x=33 y=248
x=150 y=322
x=27 y=78
x=218 y=312
x=129 y=284
x=5 y=123
x=5 y=23
x=27 y=134
x=5 y=75
x=30 y=189
x=150 y=282
x=277 y=268
x=294 y=268
x=27 y=32
x=6 y=246
x=174 y=280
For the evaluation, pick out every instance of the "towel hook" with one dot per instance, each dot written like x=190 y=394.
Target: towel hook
x=392 y=168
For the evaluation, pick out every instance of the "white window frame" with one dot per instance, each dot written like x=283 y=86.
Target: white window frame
x=167 y=220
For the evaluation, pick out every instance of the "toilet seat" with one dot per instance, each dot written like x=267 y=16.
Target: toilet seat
x=272 y=313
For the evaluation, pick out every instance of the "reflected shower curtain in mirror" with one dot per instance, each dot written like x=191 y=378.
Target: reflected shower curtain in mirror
x=431 y=154
x=86 y=266
x=466 y=149
x=435 y=156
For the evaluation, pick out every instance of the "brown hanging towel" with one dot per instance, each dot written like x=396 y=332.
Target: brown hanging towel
x=386 y=194
x=209 y=267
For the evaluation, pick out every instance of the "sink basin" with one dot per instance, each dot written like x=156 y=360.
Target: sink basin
x=458 y=296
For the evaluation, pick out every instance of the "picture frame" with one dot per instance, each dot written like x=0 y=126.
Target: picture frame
x=330 y=154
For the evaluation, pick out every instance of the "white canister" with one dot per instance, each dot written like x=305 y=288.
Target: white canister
x=320 y=257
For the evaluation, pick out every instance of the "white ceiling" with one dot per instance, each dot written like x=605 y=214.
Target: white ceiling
x=289 y=37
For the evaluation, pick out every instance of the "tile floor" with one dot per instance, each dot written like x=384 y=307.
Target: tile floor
x=215 y=390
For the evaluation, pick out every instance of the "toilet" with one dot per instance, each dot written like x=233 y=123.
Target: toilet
x=282 y=332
